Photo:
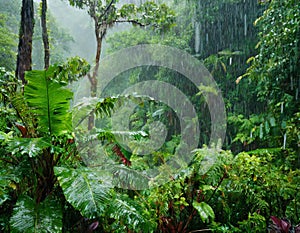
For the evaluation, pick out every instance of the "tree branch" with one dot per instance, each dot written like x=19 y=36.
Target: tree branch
x=131 y=21
x=220 y=182
x=107 y=8
x=135 y=22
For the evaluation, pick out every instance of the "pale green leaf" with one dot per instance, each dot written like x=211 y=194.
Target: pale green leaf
x=205 y=211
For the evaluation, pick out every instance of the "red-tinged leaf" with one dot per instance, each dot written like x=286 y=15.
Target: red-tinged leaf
x=276 y=220
x=70 y=141
x=116 y=149
x=283 y=225
x=22 y=129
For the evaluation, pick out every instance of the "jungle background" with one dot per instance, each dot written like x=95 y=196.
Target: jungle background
x=250 y=47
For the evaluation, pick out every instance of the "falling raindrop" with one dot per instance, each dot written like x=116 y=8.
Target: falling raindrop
x=297 y=92
x=197 y=37
x=284 y=141
x=261 y=134
x=281 y=111
x=245 y=25
x=230 y=61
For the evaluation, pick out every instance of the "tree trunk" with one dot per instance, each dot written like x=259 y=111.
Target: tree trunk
x=100 y=33
x=45 y=35
x=24 y=59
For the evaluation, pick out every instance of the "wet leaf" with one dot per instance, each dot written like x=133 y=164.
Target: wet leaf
x=205 y=211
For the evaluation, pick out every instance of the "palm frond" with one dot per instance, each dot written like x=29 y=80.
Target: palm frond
x=82 y=110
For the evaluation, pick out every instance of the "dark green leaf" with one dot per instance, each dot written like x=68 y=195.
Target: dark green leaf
x=31 y=217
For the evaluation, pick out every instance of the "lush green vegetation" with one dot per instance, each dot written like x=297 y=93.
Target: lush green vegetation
x=65 y=169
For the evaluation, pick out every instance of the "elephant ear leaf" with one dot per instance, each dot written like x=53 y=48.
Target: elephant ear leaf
x=85 y=189
x=49 y=101
x=31 y=217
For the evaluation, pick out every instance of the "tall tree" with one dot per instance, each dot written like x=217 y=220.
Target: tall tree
x=24 y=59
x=45 y=33
x=106 y=14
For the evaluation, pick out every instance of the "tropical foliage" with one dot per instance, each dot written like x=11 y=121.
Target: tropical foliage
x=59 y=173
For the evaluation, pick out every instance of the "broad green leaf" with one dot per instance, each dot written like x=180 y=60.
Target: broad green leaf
x=29 y=146
x=84 y=189
x=49 y=101
x=205 y=211
x=31 y=217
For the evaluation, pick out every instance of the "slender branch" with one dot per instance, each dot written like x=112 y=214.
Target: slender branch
x=89 y=77
x=107 y=9
x=220 y=182
x=134 y=22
